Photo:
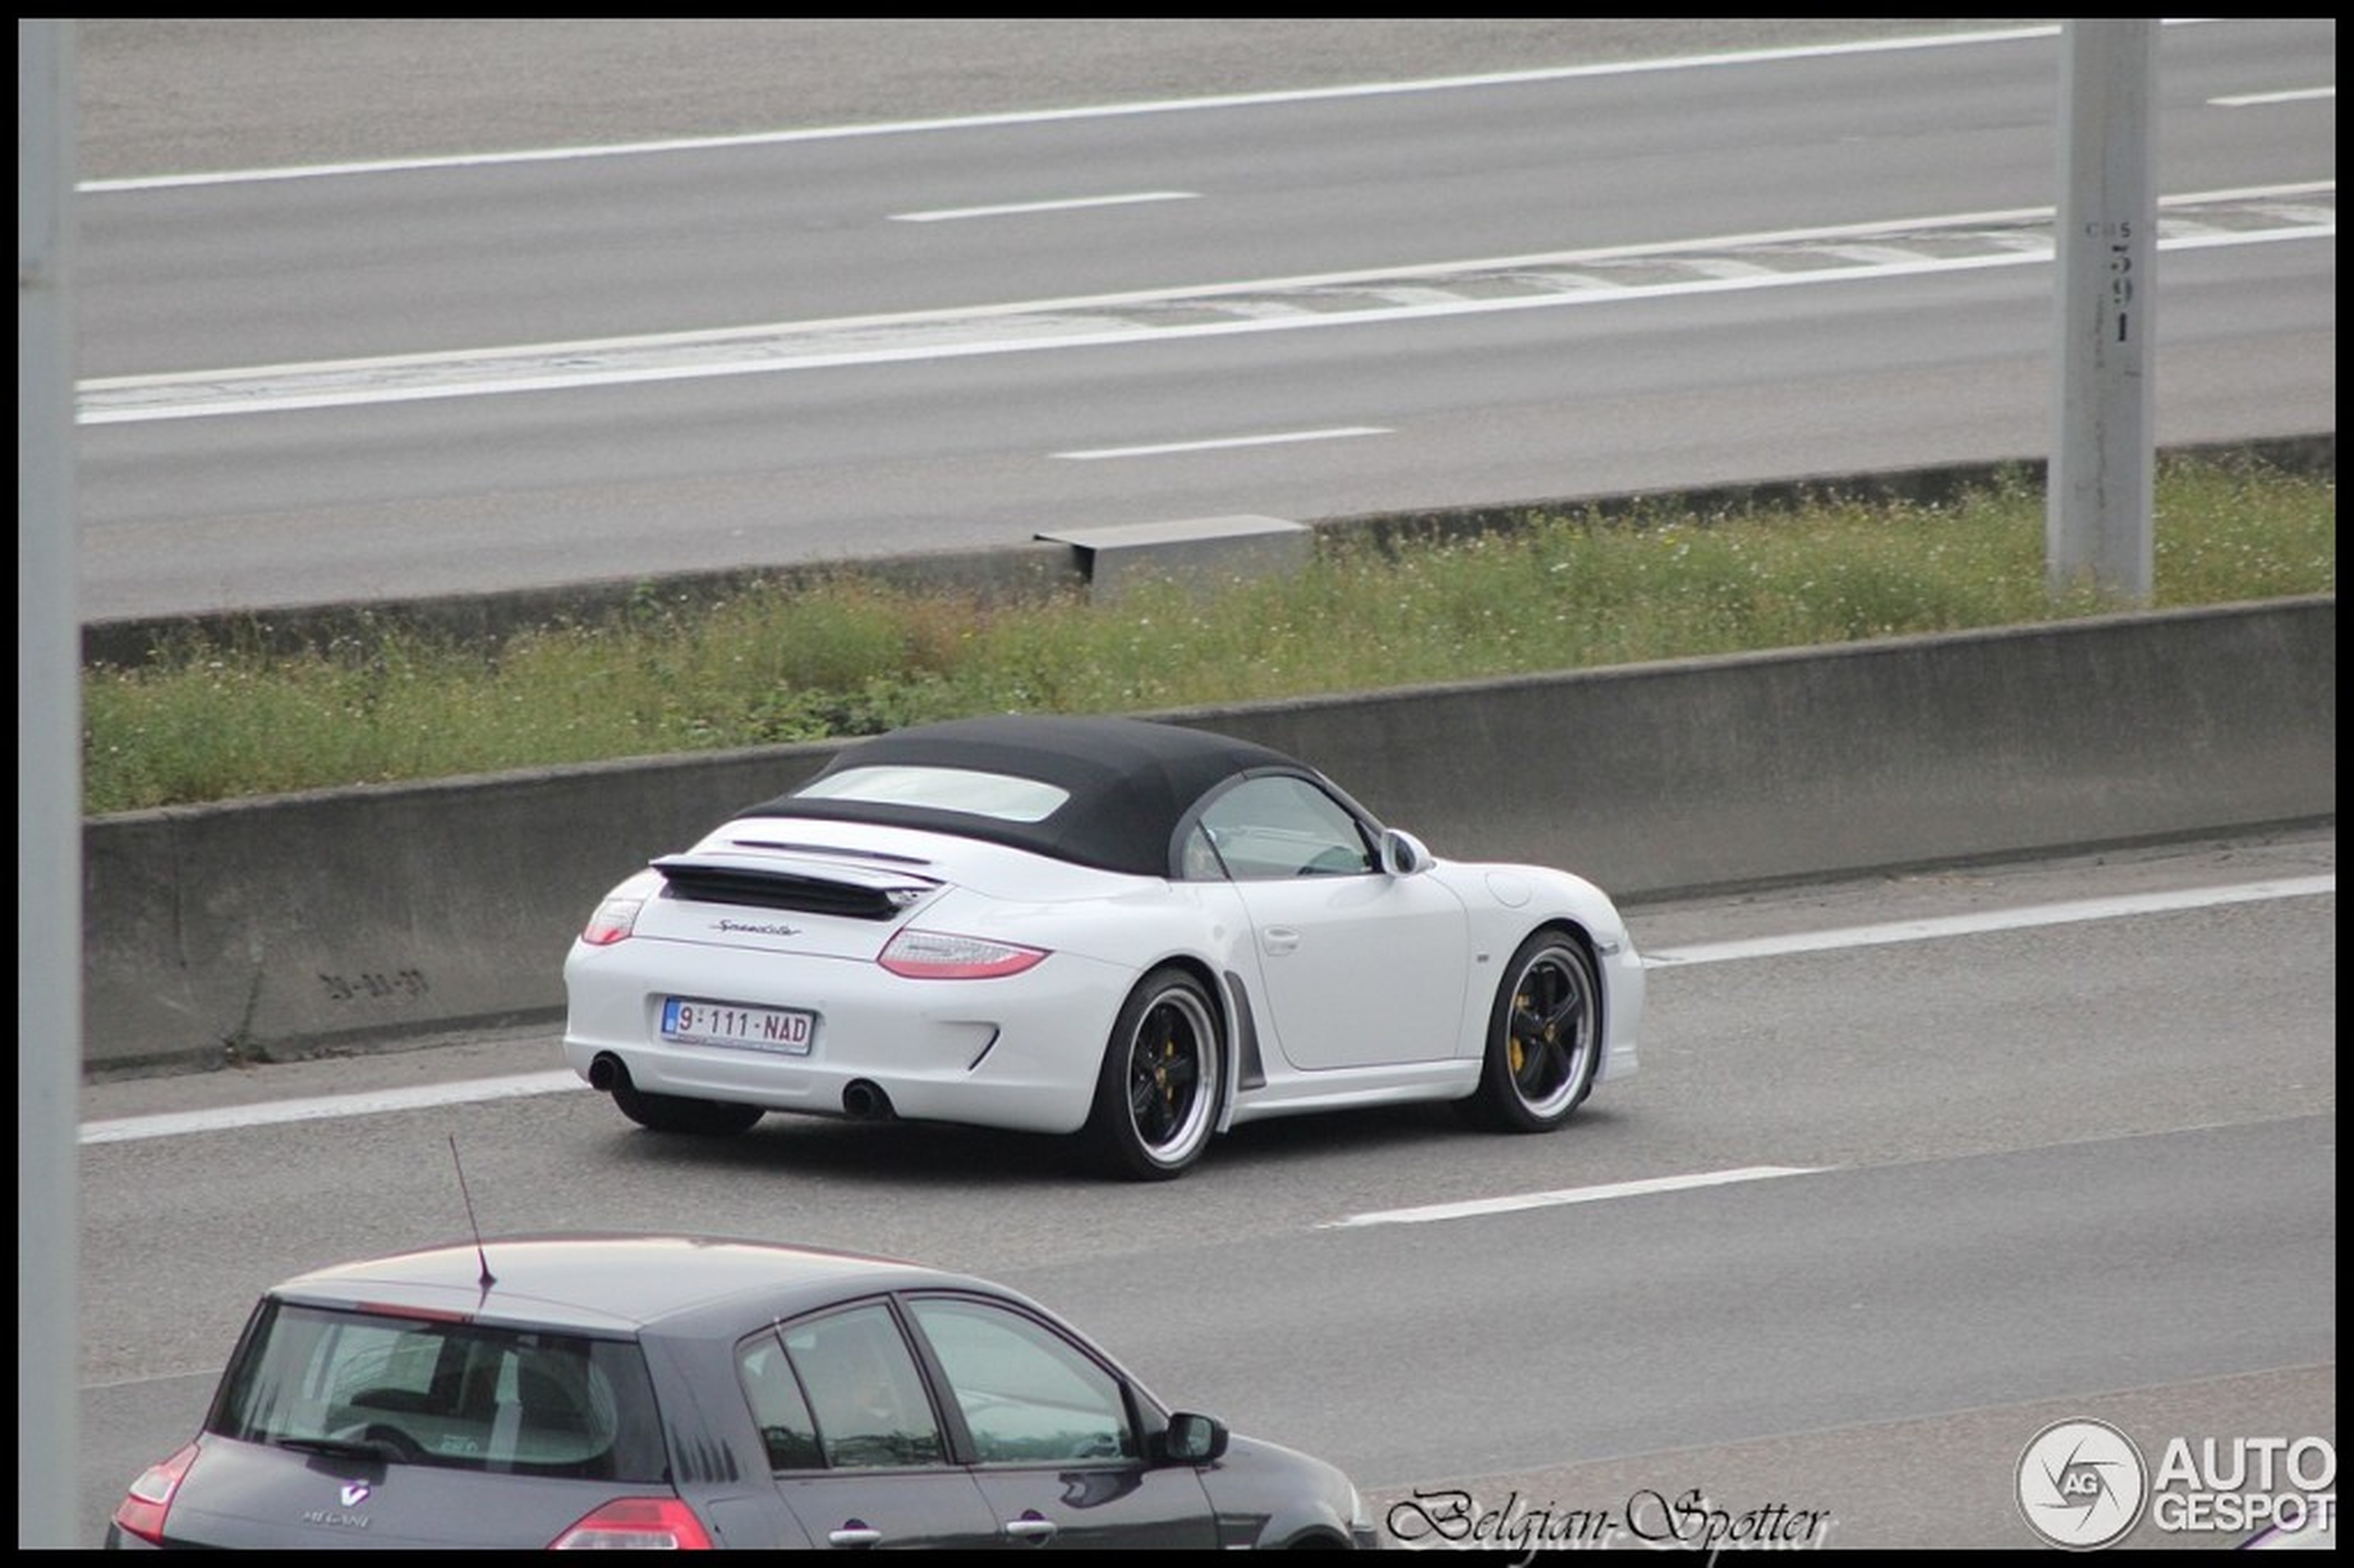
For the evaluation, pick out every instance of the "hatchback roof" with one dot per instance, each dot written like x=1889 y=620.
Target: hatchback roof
x=602 y=1282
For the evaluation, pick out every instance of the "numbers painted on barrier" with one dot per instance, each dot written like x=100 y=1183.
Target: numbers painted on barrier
x=374 y=986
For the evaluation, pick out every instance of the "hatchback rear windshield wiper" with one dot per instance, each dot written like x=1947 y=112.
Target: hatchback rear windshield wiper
x=341 y=1447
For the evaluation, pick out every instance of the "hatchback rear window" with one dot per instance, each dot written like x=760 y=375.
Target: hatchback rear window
x=457 y=1395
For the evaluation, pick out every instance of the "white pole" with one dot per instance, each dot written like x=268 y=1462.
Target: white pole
x=48 y=802
x=2097 y=525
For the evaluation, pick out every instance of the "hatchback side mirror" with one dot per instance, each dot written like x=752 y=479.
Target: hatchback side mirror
x=1193 y=1439
x=1402 y=855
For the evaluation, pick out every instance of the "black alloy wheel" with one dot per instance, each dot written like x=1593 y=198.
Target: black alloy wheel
x=1156 y=1094
x=1544 y=1036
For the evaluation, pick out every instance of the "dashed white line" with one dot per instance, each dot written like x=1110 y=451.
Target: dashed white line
x=1473 y=1208
x=1337 y=434
x=2250 y=100
x=1072 y=204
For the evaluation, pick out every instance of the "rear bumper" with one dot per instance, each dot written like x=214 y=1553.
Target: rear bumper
x=1021 y=1052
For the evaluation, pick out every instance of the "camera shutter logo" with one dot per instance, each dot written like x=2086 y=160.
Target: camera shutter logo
x=2081 y=1485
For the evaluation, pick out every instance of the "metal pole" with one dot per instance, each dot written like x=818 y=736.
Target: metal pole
x=48 y=800
x=2096 y=524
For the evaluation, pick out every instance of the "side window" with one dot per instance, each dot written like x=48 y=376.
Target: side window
x=1279 y=827
x=1027 y=1395
x=778 y=1407
x=1196 y=860
x=864 y=1390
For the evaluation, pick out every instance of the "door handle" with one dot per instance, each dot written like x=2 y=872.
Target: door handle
x=1032 y=1528
x=1279 y=940
x=855 y=1533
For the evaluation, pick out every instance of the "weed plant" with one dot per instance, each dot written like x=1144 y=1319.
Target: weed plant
x=848 y=657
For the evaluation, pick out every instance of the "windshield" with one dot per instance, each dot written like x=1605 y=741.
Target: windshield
x=456 y=1395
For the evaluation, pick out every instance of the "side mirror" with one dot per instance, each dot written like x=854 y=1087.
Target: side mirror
x=1402 y=855
x=1193 y=1439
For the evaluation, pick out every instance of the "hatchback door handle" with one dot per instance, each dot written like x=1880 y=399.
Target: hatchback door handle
x=1279 y=940
x=1033 y=1527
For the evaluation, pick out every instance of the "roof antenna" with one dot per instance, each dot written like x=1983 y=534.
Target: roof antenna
x=488 y=1279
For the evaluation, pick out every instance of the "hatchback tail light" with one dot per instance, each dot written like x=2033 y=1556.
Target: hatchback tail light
x=142 y=1510
x=637 y=1524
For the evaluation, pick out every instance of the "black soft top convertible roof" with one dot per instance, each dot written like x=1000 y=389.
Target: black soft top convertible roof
x=1130 y=782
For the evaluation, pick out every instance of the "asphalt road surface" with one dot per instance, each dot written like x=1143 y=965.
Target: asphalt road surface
x=524 y=319
x=1922 y=1165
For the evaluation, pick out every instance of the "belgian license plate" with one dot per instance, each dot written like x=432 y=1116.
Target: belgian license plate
x=692 y=1022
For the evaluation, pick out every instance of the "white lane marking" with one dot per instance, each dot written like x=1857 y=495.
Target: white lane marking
x=1337 y=434
x=1475 y=1207
x=127 y=1129
x=2019 y=232
x=950 y=214
x=2286 y=195
x=325 y=1107
x=2120 y=908
x=2301 y=95
x=1099 y=112
x=1066 y=305
x=119 y=404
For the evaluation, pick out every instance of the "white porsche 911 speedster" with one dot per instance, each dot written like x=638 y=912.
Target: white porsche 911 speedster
x=1135 y=931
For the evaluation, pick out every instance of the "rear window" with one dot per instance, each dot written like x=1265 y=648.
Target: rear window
x=457 y=1395
x=974 y=793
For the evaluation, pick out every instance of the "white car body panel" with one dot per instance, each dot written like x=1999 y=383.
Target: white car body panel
x=1021 y=1052
x=1360 y=971
x=1333 y=990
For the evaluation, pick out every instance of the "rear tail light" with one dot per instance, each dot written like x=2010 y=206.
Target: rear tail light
x=613 y=922
x=637 y=1524
x=143 y=1508
x=914 y=955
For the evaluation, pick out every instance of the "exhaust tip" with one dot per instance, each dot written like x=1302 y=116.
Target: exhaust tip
x=863 y=1101
x=606 y=1073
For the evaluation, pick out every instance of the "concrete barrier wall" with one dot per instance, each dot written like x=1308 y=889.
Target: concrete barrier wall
x=306 y=923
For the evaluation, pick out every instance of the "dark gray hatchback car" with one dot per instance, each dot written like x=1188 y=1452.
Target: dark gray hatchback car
x=695 y=1392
